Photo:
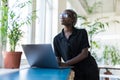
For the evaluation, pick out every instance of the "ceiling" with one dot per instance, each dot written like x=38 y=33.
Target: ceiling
x=104 y=6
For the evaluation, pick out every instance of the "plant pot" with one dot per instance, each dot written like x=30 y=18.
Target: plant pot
x=107 y=73
x=12 y=59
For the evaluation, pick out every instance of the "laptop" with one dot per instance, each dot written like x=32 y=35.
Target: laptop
x=41 y=55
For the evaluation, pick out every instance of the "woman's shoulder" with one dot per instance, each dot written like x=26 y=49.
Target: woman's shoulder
x=57 y=36
x=81 y=30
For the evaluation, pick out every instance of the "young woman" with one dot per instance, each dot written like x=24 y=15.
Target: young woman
x=72 y=45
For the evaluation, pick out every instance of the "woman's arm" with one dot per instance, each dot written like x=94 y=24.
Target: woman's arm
x=78 y=58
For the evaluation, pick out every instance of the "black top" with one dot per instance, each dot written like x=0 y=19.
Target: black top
x=69 y=48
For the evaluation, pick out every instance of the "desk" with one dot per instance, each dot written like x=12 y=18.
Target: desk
x=116 y=67
x=37 y=74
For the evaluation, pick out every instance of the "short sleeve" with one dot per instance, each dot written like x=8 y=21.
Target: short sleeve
x=55 y=45
x=85 y=42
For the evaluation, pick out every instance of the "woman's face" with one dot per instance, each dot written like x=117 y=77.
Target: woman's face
x=67 y=18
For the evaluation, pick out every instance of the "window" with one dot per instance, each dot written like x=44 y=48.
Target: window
x=45 y=25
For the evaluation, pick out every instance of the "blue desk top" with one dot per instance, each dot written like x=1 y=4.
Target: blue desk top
x=37 y=74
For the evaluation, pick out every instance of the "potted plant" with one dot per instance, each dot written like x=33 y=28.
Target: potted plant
x=14 y=33
x=110 y=57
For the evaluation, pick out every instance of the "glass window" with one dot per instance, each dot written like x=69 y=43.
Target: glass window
x=45 y=24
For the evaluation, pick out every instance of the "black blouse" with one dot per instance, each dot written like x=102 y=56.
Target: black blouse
x=69 y=48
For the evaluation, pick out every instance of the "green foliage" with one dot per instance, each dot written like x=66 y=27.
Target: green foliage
x=93 y=27
x=16 y=21
x=4 y=1
x=3 y=24
x=93 y=7
x=14 y=36
x=111 y=55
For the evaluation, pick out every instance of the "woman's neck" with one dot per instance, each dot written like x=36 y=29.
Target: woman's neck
x=68 y=29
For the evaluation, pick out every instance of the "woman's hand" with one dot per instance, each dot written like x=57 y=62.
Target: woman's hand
x=62 y=64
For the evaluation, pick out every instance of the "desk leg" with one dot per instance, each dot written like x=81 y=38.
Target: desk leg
x=71 y=77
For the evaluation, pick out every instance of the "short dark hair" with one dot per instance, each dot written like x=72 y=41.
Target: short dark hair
x=74 y=14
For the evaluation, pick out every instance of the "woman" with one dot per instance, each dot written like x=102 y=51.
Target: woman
x=72 y=46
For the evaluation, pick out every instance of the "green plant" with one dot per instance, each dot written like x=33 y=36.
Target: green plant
x=94 y=6
x=111 y=55
x=16 y=21
x=3 y=24
x=93 y=27
x=14 y=36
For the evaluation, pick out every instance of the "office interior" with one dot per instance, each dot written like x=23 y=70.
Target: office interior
x=46 y=25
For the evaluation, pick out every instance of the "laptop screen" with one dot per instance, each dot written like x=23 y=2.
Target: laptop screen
x=40 y=55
